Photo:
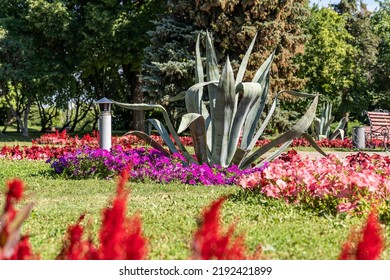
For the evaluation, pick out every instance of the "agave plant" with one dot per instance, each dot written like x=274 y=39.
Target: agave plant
x=322 y=124
x=232 y=113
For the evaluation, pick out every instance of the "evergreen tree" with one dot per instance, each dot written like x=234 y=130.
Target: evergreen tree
x=169 y=63
x=233 y=24
x=278 y=24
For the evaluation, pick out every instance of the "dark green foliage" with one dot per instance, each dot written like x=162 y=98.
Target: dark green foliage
x=232 y=24
x=32 y=61
x=54 y=53
x=279 y=26
x=169 y=68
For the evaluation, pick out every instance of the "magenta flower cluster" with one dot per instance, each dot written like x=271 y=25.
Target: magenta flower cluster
x=143 y=164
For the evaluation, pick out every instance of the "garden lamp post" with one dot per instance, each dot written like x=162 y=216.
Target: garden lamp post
x=105 y=123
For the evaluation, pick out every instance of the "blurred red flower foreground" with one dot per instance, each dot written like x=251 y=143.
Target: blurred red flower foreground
x=367 y=244
x=121 y=237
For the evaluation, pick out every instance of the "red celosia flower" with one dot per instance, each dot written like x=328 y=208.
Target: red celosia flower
x=371 y=245
x=111 y=233
x=366 y=245
x=76 y=250
x=120 y=237
x=210 y=243
x=348 y=250
x=12 y=246
x=75 y=247
x=14 y=194
x=135 y=243
x=23 y=250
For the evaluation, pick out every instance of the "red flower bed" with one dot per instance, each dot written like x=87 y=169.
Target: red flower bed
x=93 y=139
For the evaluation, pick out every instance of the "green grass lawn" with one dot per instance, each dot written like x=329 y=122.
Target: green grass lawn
x=169 y=213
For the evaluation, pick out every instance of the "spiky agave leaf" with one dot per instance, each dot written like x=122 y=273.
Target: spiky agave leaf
x=196 y=123
x=296 y=131
x=193 y=94
x=245 y=60
x=164 y=134
x=262 y=77
x=223 y=115
x=260 y=131
x=142 y=106
x=212 y=74
x=339 y=130
x=251 y=92
x=322 y=125
x=149 y=140
x=178 y=97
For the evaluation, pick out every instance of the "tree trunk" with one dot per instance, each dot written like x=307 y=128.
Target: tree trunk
x=136 y=96
x=25 y=117
x=15 y=113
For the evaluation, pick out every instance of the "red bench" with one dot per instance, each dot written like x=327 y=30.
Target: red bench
x=379 y=126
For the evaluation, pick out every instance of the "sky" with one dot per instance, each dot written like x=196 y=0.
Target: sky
x=371 y=4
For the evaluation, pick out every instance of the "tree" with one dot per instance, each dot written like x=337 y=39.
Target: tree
x=233 y=25
x=358 y=24
x=32 y=54
x=111 y=36
x=73 y=51
x=326 y=62
x=278 y=24
x=168 y=68
x=381 y=25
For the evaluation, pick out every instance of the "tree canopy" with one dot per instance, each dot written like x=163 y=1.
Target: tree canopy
x=57 y=57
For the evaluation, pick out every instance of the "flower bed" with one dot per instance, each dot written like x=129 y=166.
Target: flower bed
x=93 y=139
x=145 y=164
x=352 y=184
x=327 y=184
x=34 y=152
